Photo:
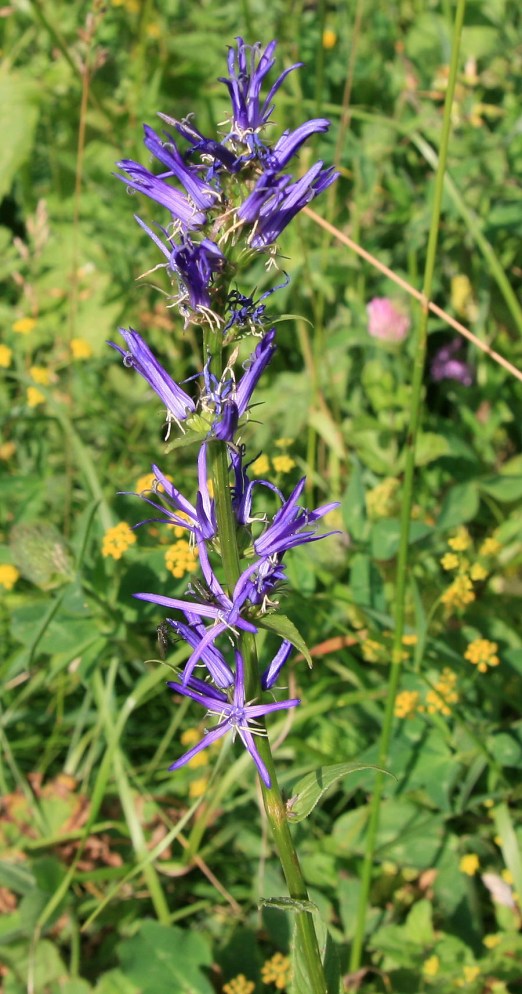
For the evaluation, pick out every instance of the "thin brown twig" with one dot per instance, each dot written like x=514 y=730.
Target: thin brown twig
x=465 y=332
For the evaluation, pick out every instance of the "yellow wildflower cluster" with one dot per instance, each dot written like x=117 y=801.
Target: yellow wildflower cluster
x=276 y=971
x=6 y=355
x=260 y=466
x=380 y=502
x=8 y=576
x=469 y=864
x=329 y=38
x=24 y=326
x=482 y=653
x=40 y=375
x=80 y=348
x=281 y=464
x=34 y=397
x=7 y=449
x=197 y=787
x=461 y=592
x=406 y=703
x=145 y=482
x=373 y=651
x=469 y=974
x=492 y=940
x=431 y=966
x=239 y=985
x=443 y=694
x=181 y=558
x=117 y=540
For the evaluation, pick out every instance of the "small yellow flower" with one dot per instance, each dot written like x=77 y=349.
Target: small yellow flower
x=34 y=397
x=459 y=594
x=329 y=38
x=181 y=558
x=40 y=375
x=449 y=561
x=117 y=540
x=198 y=787
x=490 y=547
x=260 y=465
x=506 y=874
x=153 y=30
x=6 y=355
x=145 y=482
x=179 y=530
x=478 y=572
x=80 y=348
x=469 y=864
x=239 y=985
x=380 y=501
x=492 y=941
x=276 y=971
x=283 y=443
x=443 y=694
x=470 y=973
x=7 y=449
x=462 y=297
x=406 y=703
x=461 y=541
x=8 y=576
x=431 y=966
x=189 y=737
x=372 y=651
x=283 y=464
x=409 y=638
x=482 y=653
x=24 y=326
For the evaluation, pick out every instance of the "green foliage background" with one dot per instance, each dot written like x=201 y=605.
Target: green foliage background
x=115 y=877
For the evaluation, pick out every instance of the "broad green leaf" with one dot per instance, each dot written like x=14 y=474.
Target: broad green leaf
x=301 y=982
x=308 y=791
x=282 y=626
x=160 y=960
x=503 y=488
x=18 y=116
x=115 y=982
x=460 y=504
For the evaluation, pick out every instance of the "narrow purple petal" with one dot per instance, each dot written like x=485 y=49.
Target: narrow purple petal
x=212 y=736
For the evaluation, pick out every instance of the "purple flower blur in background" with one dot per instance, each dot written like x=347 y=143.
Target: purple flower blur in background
x=386 y=321
x=211 y=227
x=448 y=365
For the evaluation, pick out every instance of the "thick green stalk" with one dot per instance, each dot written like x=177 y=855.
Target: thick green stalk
x=272 y=799
x=402 y=560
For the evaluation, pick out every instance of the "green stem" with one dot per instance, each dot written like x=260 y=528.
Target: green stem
x=402 y=561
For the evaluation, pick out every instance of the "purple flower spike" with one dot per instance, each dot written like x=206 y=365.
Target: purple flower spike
x=195 y=266
x=213 y=659
x=143 y=181
x=275 y=201
x=273 y=670
x=201 y=195
x=247 y=71
x=236 y=716
x=286 y=529
x=138 y=355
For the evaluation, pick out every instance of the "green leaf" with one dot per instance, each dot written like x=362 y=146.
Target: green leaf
x=308 y=791
x=385 y=537
x=300 y=982
x=115 y=982
x=287 y=904
x=503 y=488
x=282 y=626
x=160 y=960
x=353 y=505
x=460 y=504
x=18 y=117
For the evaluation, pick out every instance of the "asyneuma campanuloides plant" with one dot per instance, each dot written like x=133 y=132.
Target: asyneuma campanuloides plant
x=224 y=202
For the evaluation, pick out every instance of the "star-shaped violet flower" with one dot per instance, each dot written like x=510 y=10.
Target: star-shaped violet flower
x=235 y=713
